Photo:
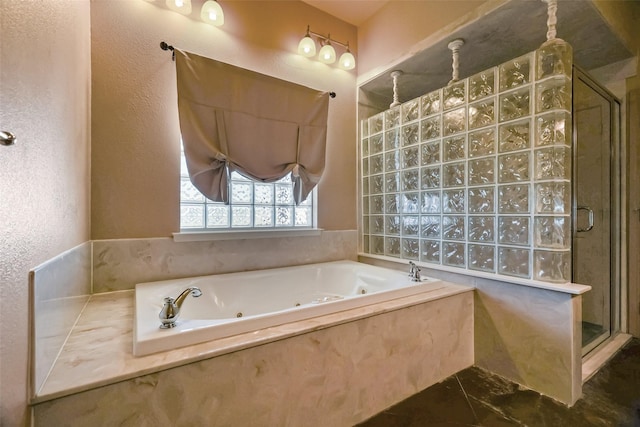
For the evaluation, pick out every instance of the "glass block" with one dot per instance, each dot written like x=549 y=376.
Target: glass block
x=516 y=104
x=392 y=224
x=453 y=227
x=513 y=230
x=410 y=180
x=376 y=164
x=430 y=226
x=365 y=244
x=453 y=201
x=553 y=129
x=365 y=166
x=551 y=266
x=513 y=167
x=430 y=153
x=410 y=202
x=410 y=157
x=482 y=143
x=481 y=200
x=366 y=225
x=376 y=183
x=263 y=216
x=482 y=84
x=482 y=114
x=376 y=224
x=410 y=110
x=284 y=194
x=514 y=136
x=515 y=73
x=241 y=192
x=392 y=118
x=217 y=216
x=392 y=246
x=410 y=248
x=454 y=95
x=365 y=186
x=391 y=182
x=453 y=254
x=392 y=203
x=375 y=123
x=555 y=57
x=241 y=216
x=365 y=147
x=184 y=170
x=284 y=180
x=454 y=121
x=430 y=128
x=482 y=257
x=392 y=139
x=513 y=262
x=376 y=204
x=285 y=216
x=191 y=216
x=553 y=198
x=552 y=232
x=430 y=251
x=364 y=128
x=263 y=194
x=454 y=148
x=553 y=94
x=376 y=144
x=482 y=171
x=430 y=202
x=431 y=177
x=235 y=176
x=410 y=225
x=391 y=161
x=481 y=229
x=553 y=163
x=189 y=193
x=365 y=205
x=513 y=198
x=409 y=134
x=453 y=175
x=377 y=245
x=431 y=103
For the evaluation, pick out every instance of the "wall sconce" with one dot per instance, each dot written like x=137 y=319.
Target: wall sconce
x=212 y=13
x=327 y=54
x=181 y=6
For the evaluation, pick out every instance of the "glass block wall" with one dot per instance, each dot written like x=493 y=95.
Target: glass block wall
x=476 y=175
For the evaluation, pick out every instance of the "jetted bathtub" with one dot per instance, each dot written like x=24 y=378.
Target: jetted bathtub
x=236 y=303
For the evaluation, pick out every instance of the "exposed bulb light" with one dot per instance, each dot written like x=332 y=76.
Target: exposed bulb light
x=180 y=6
x=327 y=53
x=347 y=61
x=212 y=13
x=307 y=47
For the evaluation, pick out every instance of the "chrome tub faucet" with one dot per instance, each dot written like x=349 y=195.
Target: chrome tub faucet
x=414 y=272
x=171 y=309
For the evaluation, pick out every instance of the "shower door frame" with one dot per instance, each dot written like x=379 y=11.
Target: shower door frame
x=616 y=177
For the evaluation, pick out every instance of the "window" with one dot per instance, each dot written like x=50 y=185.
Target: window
x=252 y=205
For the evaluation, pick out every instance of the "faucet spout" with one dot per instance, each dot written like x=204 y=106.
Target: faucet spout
x=171 y=308
x=414 y=272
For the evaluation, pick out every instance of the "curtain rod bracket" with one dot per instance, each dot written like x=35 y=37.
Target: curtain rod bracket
x=165 y=46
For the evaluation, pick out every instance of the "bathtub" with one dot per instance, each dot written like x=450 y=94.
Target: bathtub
x=237 y=303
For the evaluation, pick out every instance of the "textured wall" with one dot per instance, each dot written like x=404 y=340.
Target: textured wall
x=135 y=133
x=44 y=178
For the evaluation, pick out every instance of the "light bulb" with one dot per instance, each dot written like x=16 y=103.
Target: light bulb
x=347 y=61
x=327 y=54
x=212 y=13
x=307 y=47
x=180 y=6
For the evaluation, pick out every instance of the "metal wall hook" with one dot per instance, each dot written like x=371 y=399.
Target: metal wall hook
x=7 y=138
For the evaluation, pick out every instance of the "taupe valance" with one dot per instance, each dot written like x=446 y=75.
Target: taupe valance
x=233 y=119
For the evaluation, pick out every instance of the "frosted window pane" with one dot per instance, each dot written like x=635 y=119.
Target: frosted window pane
x=241 y=192
x=263 y=216
x=284 y=216
x=191 y=216
x=241 y=216
x=189 y=193
x=284 y=195
x=264 y=194
x=217 y=216
x=303 y=217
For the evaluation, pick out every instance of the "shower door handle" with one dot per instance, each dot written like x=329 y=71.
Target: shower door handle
x=590 y=212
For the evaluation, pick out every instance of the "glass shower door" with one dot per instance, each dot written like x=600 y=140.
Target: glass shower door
x=595 y=187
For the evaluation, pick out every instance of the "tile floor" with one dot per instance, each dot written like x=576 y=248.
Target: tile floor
x=474 y=397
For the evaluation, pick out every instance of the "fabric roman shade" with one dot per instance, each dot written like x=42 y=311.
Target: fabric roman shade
x=233 y=119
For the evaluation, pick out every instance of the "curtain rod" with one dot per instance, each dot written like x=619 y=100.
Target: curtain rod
x=165 y=46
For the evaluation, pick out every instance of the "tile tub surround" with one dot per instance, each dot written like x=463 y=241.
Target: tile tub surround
x=120 y=264
x=330 y=370
x=59 y=290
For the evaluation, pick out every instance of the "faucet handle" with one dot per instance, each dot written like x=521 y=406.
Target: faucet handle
x=171 y=308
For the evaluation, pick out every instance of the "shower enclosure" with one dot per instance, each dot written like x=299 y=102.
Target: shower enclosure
x=596 y=208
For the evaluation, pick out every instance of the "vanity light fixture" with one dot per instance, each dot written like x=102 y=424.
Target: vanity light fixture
x=212 y=13
x=327 y=53
x=181 y=6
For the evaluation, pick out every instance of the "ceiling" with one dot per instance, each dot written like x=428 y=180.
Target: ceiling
x=511 y=30
x=354 y=12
